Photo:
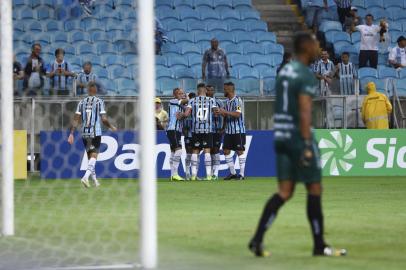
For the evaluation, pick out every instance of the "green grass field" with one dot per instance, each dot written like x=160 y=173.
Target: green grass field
x=206 y=225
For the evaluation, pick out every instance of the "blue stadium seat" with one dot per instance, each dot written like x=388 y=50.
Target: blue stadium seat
x=261 y=61
x=126 y=87
x=130 y=60
x=395 y=35
x=258 y=26
x=269 y=87
x=248 y=73
x=53 y=26
x=330 y=26
x=85 y=48
x=245 y=36
x=18 y=27
x=127 y=48
x=34 y=27
x=401 y=87
x=194 y=61
x=77 y=36
x=395 y=26
x=166 y=13
x=224 y=36
x=358 y=3
x=203 y=36
x=258 y=49
x=177 y=62
x=163 y=3
x=208 y=13
x=266 y=38
x=75 y=60
x=161 y=61
x=188 y=48
x=234 y=49
x=373 y=3
x=184 y=37
x=183 y=3
x=92 y=24
x=27 y=14
x=238 y=26
x=355 y=37
x=128 y=14
x=367 y=72
x=204 y=3
x=240 y=60
x=109 y=86
x=253 y=15
x=185 y=73
x=242 y=3
x=44 y=13
x=248 y=87
x=216 y=26
x=387 y=72
x=116 y=72
x=402 y=73
x=188 y=13
x=61 y=13
x=39 y=3
x=121 y=4
x=171 y=48
x=108 y=13
x=112 y=60
x=105 y=47
x=20 y=3
x=379 y=13
x=94 y=59
x=177 y=26
x=346 y=48
x=98 y=35
x=167 y=85
x=399 y=15
x=197 y=25
x=341 y=36
x=101 y=72
x=43 y=39
x=223 y=3
x=383 y=59
x=274 y=49
x=268 y=73
x=73 y=25
x=230 y=14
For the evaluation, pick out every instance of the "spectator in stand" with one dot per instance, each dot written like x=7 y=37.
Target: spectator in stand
x=343 y=9
x=287 y=57
x=352 y=21
x=34 y=72
x=160 y=36
x=313 y=12
x=87 y=6
x=59 y=74
x=346 y=72
x=371 y=35
x=376 y=109
x=324 y=71
x=161 y=114
x=18 y=74
x=215 y=60
x=85 y=77
x=397 y=56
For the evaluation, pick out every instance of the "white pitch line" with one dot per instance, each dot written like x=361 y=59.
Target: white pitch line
x=99 y=267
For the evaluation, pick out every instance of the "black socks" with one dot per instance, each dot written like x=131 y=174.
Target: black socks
x=315 y=216
x=268 y=216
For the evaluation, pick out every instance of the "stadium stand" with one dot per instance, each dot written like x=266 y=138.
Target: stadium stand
x=110 y=35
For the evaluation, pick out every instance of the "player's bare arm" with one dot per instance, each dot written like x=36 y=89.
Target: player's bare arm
x=75 y=123
x=107 y=123
x=305 y=112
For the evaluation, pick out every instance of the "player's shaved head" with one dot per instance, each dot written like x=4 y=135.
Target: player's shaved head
x=229 y=89
x=210 y=90
x=92 y=88
x=201 y=89
x=178 y=93
x=306 y=47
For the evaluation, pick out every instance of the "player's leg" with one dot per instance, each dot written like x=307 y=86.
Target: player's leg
x=188 y=160
x=215 y=161
x=177 y=154
x=315 y=215
x=195 y=157
x=227 y=147
x=274 y=203
x=207 y=163
x=240 y=146
x=92 y=146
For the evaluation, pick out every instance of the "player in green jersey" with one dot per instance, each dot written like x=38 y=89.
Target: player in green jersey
x=296 y=150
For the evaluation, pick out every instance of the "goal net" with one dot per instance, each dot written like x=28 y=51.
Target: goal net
x=53 y=221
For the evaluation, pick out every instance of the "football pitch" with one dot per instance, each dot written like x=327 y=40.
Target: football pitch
x=206 y=225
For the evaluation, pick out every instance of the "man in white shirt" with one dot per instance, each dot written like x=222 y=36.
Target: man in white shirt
x=397 y=56
x=371 y=35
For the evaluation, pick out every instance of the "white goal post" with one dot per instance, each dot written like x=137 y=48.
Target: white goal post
x=7 y=121
x=146 y=112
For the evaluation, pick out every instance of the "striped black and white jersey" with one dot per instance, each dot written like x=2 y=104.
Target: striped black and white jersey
x=202 y=114
x=218 y=120
x=347 y=73
x=59 y=81
x=91 y=110
x=175 y=107
x=234 y=125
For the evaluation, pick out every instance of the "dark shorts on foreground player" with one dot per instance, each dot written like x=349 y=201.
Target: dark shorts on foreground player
x=217 y=139
x=175 y=139
x=188 y=142
x=202 y=140
x=235 y=142
x=288 y=166
x=92 y=145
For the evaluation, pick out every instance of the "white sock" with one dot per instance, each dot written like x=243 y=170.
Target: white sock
x=207 y=163
x=176 y=160
x=216 y=163
x=194 y=165
x=93 y=175
x=242 y=160
x=230 y=163
x=90 y=168
x=171 y=163
x=188 y=162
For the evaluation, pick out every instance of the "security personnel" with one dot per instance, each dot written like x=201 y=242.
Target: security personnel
x=375 y=109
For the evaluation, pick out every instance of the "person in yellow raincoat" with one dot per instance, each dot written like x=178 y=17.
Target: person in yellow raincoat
x=375 y=109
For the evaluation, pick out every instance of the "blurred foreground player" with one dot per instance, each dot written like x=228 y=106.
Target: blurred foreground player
x=296 y=150
x=90 y=112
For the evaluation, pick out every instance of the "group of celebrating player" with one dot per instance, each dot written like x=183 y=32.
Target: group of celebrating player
x=203 y=119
